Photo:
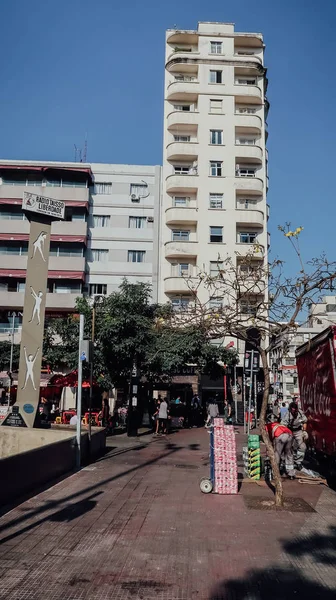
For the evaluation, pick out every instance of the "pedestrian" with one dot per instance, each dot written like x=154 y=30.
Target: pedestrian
x=276 y=410
x=213 y=412
x=227 y=412
x=163 y=416
x=178 y=400
x=296 y=421
x=282 y=439
x=195 y=411
x=283 y=411
x=156 y=415
x=105 y=412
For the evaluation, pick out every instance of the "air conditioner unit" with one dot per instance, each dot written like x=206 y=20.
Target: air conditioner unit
x=135 y=198
x=150 y=219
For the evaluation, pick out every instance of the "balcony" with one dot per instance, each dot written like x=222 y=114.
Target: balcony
x=184 y=151
x=183 y=119
x=181 y=37
x=247 y=58
x=250 y=185
x=181 y=249
x=249 y=153
x=14 y=300
x=252 y=123
x=182 y=184
x=250 y=217
x=56 y=263
x=179 y=285
x=58 y=228
x=247 y=94
x=181 y=214
x=183 y=90
x=257 y=251
x=56 y=193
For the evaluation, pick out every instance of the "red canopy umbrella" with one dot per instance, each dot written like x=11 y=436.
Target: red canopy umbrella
x=69 y=380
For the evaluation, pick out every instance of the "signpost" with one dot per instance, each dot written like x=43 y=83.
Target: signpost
x=40 y=211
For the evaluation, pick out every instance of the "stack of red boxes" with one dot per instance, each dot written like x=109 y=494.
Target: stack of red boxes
x=225 y=458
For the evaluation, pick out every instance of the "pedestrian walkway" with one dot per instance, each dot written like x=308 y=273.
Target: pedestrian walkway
x=134 y=525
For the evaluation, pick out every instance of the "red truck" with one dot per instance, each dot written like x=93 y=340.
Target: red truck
x=316 y=364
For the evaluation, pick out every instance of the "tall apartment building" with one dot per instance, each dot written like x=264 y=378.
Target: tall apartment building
x=107 y=234
x=323 y=313
x=215 y=159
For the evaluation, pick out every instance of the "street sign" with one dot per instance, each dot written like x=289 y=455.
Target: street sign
x=42 y=205
x=248 y=359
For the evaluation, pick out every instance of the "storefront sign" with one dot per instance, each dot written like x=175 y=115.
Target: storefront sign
x=44 y=206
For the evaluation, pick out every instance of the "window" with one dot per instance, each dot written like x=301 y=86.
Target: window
x=245 y=171
x=73 y=250
x=70 y=288
x=290 y=388
x=101 y=220
x=216 y=47
x=180 y=303
x=215 y=267
x=185 y=78
x=74 y=184
x=102 y=188
x=216 y=106
x=245 y=53
x=248 y=307
x=181 y=201
x=250 y=81
x=185 y=107
x=216 y=235
x=180 y=269
x=12 y=215
x=216 y=200
x=246 y=110
x=215 y=77
x=216 y=303
x=180 y=235
x=215 y=168
x=182 y=170
x=21 y=286
x=216 y=136
x=137 y=222
x=136 y=256
x=250 y=270
x=100 y=255
x=54 y=182
x=247 y=238
x=97 y=288
x=181 y=138
x=246 y=203
x=139 y=189
x=16 y=249
x=246 y=141
x=78 y=216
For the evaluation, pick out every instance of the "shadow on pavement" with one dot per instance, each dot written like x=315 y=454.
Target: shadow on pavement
x=281 y=583
x=49 y=505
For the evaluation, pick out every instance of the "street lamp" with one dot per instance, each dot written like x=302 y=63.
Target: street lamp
x=93 y=301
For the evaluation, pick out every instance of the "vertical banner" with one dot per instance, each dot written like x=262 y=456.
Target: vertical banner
x=31 y=348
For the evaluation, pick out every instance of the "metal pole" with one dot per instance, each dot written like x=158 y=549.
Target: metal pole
x=250 y=395
x=244 y=398
x=11 y=357
x=255 y=398
x=79 y=391
x=91 y=367
x=235 y=392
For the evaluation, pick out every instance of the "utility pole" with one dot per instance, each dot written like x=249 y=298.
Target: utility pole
x=79 y=390
x=250 y=394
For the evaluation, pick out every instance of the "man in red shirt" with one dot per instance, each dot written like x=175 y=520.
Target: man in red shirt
x=282 y=439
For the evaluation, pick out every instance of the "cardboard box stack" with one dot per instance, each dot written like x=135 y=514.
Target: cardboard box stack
x=225 y=458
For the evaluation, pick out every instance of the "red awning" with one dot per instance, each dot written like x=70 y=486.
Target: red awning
x=69 y=380
x=21 y=274
x=72 y=203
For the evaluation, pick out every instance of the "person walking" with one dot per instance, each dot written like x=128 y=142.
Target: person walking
x=227 y=412
x=296 y=422
x=282 y=439
x=156 y=415
x=283 y=411
x=213 y=412
x=163 y=416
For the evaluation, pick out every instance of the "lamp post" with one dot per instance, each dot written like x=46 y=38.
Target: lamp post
x=13 y=315
x=97 y=299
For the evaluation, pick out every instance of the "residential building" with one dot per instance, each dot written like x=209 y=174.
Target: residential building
x=284 y=375
x=322 y=314
x=121 y=226
x=214 y=157
x=108 y=232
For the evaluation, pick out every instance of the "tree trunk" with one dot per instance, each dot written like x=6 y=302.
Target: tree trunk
x=279 y=496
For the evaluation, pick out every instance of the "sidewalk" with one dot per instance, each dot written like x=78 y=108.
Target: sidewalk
x=135 y=525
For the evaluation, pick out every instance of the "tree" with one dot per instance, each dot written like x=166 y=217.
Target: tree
x=130 y=330
x=5 y=350
x=260 y=296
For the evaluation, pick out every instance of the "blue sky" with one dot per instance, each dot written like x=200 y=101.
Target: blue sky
x=74 y=66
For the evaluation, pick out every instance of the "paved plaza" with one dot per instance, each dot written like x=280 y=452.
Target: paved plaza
x=134 y=525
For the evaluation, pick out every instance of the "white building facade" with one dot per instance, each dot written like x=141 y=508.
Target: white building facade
x=322 y=314
x=215 y=157
x=121 y=226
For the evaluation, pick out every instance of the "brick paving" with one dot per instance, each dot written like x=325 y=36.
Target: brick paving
x=134 y=525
